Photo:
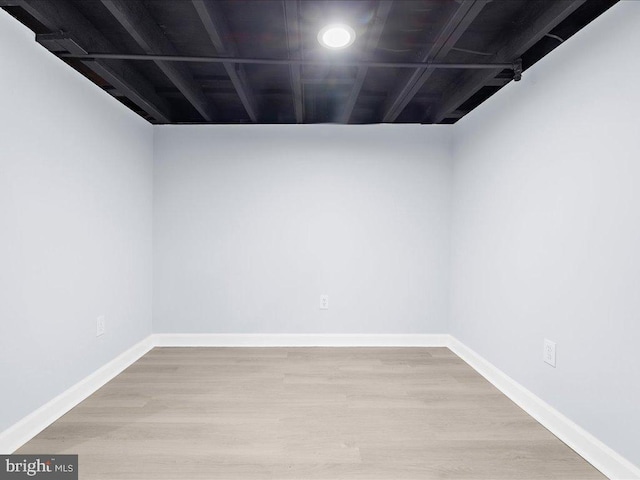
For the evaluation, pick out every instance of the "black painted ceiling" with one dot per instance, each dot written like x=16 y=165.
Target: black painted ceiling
x=259 y=61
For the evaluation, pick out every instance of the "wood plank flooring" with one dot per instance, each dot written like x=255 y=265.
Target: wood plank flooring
x=306 y=413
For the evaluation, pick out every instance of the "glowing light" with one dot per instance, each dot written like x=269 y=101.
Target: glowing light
x=336 y=36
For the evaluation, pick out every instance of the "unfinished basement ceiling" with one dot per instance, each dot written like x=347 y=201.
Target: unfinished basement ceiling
x=259 y=61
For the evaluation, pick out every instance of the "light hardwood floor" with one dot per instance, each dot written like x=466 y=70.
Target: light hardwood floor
x=306 y=413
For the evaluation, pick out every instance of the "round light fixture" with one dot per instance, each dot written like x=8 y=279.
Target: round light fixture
x=336 y=36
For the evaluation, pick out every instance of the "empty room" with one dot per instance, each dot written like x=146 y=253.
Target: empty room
x=310 y=239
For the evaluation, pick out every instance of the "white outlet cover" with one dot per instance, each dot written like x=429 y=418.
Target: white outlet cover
x=549 y=352
x=324 y=302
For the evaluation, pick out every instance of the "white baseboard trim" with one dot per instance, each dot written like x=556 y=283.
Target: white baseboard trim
x=298 y=340
x=27 y=428
x=609 y=462
x=586 y=445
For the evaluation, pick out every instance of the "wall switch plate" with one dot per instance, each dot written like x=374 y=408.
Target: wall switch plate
x=324 y=302
x=100 y=325
x=549 y=353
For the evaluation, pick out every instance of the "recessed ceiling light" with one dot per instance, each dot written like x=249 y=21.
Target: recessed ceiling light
x=336 y=36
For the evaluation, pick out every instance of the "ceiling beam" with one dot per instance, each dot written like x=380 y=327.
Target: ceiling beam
x=62 y=16
x=280 y=61
x=497 y=82
x=456 y=114
x=508 y=49
x=136 y=20
x=369 y=99
x=328 y=81
x=213 y=21
x=382 y=12
x=459 y=22
x=294 y=46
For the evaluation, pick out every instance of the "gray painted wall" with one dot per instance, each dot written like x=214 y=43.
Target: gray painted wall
x=75 y=225
x=253 y=223
x=546 y=229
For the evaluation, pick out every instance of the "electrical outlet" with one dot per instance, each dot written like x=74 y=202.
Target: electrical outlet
x=324 y=302
x=100 y=325
x=549 y=353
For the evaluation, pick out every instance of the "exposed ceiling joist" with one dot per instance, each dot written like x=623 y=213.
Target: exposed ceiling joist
x=61 y=16
x=135 y=19
x=445 y=41
x=279 y=61
x=292 y=21
x=367 y=97
x=333 y=81
x=381 y=79
x=554 y=13
x=456 y=114
x=380 y=19
x=213 y=21
x=497 y=82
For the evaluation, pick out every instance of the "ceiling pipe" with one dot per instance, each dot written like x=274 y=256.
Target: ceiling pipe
x=272 y=61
